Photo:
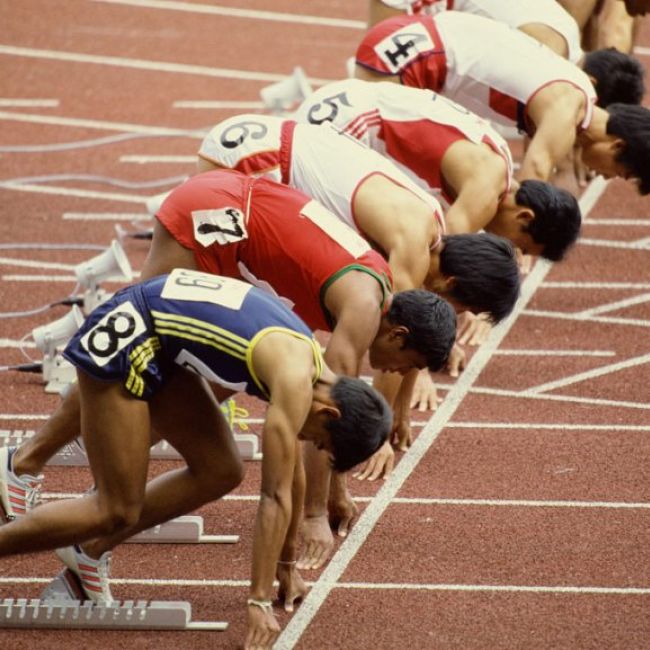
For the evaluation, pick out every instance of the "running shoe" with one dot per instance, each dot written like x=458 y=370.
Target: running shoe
x=92 y=574
x=18 y=494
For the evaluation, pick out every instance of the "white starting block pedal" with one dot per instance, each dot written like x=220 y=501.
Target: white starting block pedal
x=247 y=443
x=182 y=530
x=60 y=609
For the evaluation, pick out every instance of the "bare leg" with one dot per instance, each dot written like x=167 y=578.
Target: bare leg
x=62 y=428
x=186 y=414
x=116 y=433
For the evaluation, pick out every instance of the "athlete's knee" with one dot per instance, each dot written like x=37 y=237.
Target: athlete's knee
x=117 y=514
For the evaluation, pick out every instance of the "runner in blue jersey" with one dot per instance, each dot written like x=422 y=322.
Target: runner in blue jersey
x=142 y=360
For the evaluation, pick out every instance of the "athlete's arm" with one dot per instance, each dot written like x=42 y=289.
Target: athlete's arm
x=289 y=384
x=401 y=224
x=556 y=111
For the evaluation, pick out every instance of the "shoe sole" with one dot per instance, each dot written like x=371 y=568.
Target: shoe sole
x=66 y=586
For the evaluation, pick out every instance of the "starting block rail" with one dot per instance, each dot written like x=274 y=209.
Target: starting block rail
x=74 y=454
x=120 y=615
x=182 y=530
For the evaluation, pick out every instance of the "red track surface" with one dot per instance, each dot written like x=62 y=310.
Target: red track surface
x=525 y=523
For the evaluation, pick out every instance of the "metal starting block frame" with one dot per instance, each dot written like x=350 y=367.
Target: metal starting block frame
x=124 y=615
x=182 y=530
x=60 y=608
x=74 y=454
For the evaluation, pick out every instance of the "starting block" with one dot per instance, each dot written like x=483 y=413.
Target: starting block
x=74 y=454
x=182 y=530
x=60 y=608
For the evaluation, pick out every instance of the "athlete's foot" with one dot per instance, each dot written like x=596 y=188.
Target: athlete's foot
x=18 y=493
x=93 y=575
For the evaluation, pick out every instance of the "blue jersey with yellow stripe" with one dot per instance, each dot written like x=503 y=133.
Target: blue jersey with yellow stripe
x=206 y=323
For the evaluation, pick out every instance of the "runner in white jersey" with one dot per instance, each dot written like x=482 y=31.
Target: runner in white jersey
x=454 y=154
x=497 y=72
x=544 y=20
x=364 y=189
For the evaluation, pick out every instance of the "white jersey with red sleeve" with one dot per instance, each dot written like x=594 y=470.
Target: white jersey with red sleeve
x=495 y=70
x=489 y=67
x=511 y=12
x=411 y=126
x=325 y=164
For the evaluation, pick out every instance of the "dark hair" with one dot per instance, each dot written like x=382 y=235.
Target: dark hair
x=618 y=76
x=632 y=125
x=557 y=220
x=431 y=322
x=364 y=425
x=485 y=271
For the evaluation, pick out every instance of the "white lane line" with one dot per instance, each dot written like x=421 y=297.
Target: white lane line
x=523 y=394
x=555 y=353
x=152 y=66
x=510 y=503
x=67 y=191
x=538 y=589
x=405 y=467
x=551 y=427
x=364 y=526
x=241 y=13
x=13 y=343
x=218 y=104
x=384 y=586
x=612 y=243
x=616 y=222
x=142 y=160
x=38 y=278
x=40 y=103
x=104 y=125
x=590 y=374
x=642 y=51
x=36 y=264
x=106 y=216
x=612 y=306
x=558 y=315
x=596 y=285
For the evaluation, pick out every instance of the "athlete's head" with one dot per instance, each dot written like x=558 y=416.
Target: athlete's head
x=478 y=273
x=617 y=77
x=552 y=220
x=363 y=426
x=418 y=331
x=627 y=152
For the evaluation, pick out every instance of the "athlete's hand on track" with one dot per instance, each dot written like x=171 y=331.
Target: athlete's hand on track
x=424 y=396
x=473 y=329
x=292 y=587
x=318 y=542
x=263 y=629
x=456 y=361
x=381 y=463
x=342 y=511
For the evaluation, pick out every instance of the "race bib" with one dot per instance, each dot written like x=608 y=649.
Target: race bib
x=113 y=333
x=183 y=284
x=404 y=46
x=220 y=226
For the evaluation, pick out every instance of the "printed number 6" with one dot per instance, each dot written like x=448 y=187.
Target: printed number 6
x=240 y=131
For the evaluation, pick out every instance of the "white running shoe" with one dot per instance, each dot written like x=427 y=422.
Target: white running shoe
x=92 y=574
x=18 y=494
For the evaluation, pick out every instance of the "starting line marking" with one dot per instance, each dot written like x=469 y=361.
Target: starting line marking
x=240 y=584
x=368 y=519
x=241 y=13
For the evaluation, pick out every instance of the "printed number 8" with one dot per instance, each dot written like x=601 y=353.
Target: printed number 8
x=120 y=325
